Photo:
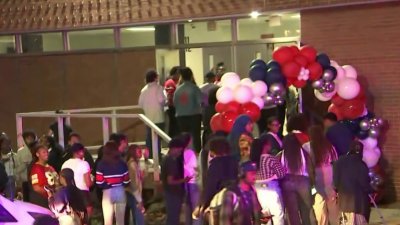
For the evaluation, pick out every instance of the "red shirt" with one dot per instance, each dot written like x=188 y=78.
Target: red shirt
x=43 y=176
x=170 y=87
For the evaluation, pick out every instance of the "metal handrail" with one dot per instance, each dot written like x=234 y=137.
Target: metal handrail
x=99 y=109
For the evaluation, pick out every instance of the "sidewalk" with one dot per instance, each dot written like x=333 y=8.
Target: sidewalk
x=390 y=213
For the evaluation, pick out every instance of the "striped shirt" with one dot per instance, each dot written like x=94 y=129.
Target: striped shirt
x=108 y=176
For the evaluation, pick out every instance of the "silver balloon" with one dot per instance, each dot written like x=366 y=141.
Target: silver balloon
x=380 y=121
x=364 y=125
x=318 y=84
x=373 y=133
x=279 y=101
x=269 y=100
x=328 y=75
x=329 y=87
x=277 y=89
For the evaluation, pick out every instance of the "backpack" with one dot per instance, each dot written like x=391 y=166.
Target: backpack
x=213 y=212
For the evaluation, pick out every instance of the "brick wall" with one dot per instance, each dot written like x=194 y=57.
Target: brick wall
x=367 y=37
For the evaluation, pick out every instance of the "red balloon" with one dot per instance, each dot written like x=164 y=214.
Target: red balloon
x=228 y=119
x=309 y=52
x=252 y=110
x=232 y=106
x=337 y=100
x=290 y=81
x=220 y=107
x=299 y=83
x=216 y=122
x=301 y=60
x=283 y=55
x=334 y=109
x=295 y=50
x=315 y=71
x=352 y=111
x=291 y=69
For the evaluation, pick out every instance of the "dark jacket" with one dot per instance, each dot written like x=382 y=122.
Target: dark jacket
x=340 y=136
x=352 y=182
x=3 y=177
x=222 y=172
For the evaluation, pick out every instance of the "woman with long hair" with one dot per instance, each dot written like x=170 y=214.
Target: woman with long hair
x=273 y=127
x=269 y=171
x=296 y=185
x=134 y=194
x=323 y=153
x=240 y=138
x=111 y=176
x=67 y=202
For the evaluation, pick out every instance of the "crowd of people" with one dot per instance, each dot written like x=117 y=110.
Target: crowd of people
x=312 y=175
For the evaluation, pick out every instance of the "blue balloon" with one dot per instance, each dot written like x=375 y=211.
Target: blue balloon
x=362 y=134
x=353 y=125
x=333 y=69
x=257 y=72
x=258 y=62
x=324 y=60
x=272 y=64
x=275 y=76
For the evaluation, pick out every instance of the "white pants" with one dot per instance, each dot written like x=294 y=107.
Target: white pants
x=270 y=201
x=114 y=202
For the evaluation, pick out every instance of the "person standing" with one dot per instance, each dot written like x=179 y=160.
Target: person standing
x=239 y=204
x=82 y=173
x=338 y=134
x=111 y=176
x=205 y=88
x=208 y=113
x=170 y=87
x=41 y=175
x=219 y=72
x=152 y=101
x=324 y=155
x=187 y=101
x=8 y=160
x=296 y=185
x=352 y=182
x=73 y=139
x=269 y=172
x=240 y=138
x=22 y=160
x=173 y=180
x=272 y=135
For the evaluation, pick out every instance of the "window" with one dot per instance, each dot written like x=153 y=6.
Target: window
x=204 y=32
x=271 y=26
x=7 y=44
x=46 y=42
x=91 y=39
x=142 y=36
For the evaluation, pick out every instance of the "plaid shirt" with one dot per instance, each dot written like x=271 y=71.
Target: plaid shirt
x=234 y=209
x=270 y=166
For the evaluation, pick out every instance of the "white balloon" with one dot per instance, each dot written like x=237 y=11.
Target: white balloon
x=340 y=73
x=224 y=95
x=247 y=82
x=259 y=88
x=230 y=79
x=258 y=101
x=371 y=157
x=243 y=94
x=334 y=63
x=321 y=96
x=350 y=71
x=369 y=143
x=348 y=88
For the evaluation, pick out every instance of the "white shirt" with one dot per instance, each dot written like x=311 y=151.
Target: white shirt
x=80 y=168
x=190 y=165
x=22 y=161
x=152 y=101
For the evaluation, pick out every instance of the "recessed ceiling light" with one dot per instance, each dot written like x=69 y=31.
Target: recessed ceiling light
x=254 y=14
x=141 y=29
x=190 y=21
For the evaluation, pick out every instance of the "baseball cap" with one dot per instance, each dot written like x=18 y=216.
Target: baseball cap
x=248 y=166
x=77 y=147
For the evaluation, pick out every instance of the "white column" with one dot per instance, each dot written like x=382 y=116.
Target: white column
x=154 y=142
x=60 y=122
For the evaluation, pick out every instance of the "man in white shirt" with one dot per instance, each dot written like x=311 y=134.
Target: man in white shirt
x=152 y=100
x=22 y=160
x=82 y=171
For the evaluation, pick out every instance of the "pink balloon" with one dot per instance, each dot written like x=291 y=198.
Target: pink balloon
x=225 y=95
x=350 y=71
x=348 y=88
x=243 y=94
x=371 y=157
x=247 y=82
x=230 y=79
x=259 y=88
x=258 y=101
x=369 y=143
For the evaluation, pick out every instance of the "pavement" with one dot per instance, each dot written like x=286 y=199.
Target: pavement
x=386 y=214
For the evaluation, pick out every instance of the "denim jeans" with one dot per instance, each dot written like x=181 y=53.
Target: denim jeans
x=173 y=204
x=114 y=202
x=149 y=141
x=269 y=196
x=192 y=201
x=137 y=215
x=296 y=193
x=10 y=189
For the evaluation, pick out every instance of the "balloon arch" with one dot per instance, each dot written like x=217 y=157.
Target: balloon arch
x=294 y=66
